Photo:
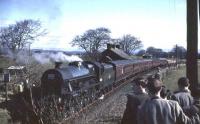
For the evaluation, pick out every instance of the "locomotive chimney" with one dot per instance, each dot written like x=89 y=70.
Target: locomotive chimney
x=117 y=46
x=57 y=65
x=109 y=46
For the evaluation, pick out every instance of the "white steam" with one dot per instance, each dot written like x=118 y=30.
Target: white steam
x=55 y=57
x=25 y=57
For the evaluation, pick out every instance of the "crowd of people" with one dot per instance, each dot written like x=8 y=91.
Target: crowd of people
x=152 y=103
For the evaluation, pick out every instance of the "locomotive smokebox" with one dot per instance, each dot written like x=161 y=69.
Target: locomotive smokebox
x=57 y=65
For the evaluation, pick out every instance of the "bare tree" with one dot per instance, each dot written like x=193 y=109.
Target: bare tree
x=92 y=40
x=179 y=51
x=155 y=52
x=130 y=43
x=16 y=36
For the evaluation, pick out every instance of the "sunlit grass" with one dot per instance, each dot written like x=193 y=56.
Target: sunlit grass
x=172 y=77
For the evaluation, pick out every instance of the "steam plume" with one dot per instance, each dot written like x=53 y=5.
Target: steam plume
x=55 y=57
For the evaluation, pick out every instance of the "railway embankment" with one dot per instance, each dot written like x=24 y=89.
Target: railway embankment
x=111 y=109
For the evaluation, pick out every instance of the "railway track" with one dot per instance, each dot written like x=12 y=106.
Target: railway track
x=90 y=106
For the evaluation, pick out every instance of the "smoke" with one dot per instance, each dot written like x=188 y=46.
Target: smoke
x=55 y=57
x=21 y=57
x=24 y=57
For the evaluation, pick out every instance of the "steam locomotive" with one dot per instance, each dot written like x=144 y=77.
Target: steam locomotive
x=92 y=79
x=83 y=82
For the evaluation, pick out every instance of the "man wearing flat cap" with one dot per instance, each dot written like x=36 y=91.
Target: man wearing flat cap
x=161 y=111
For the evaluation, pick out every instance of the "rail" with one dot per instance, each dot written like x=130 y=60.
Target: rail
x=122 y=83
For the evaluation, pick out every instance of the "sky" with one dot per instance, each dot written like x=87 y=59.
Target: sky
x=157 y=23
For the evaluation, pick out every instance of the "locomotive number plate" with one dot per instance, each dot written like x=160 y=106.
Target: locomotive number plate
x=51 y=76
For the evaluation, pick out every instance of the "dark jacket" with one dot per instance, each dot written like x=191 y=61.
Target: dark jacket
x=133 y=101
x=161 y=111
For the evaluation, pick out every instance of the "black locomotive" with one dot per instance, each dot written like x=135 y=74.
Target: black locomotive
x=92 y=78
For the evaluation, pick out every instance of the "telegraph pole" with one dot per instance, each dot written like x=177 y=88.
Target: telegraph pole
x=176 y=55
x=192 y=44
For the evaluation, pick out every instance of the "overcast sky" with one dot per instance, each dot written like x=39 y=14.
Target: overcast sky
x=158 y=23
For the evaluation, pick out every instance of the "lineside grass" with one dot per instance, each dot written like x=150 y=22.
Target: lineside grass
x=172 y=77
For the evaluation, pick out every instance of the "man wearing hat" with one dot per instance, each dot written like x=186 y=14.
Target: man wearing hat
x=134 y=100
x=161 y=111
x=183 y=95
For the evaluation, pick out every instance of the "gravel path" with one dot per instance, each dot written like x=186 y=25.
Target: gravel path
x=109 y=111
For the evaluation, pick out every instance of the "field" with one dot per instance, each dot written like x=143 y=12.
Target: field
x=172 y=77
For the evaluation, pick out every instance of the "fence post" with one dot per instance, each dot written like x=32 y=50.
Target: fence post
x=6 y=78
